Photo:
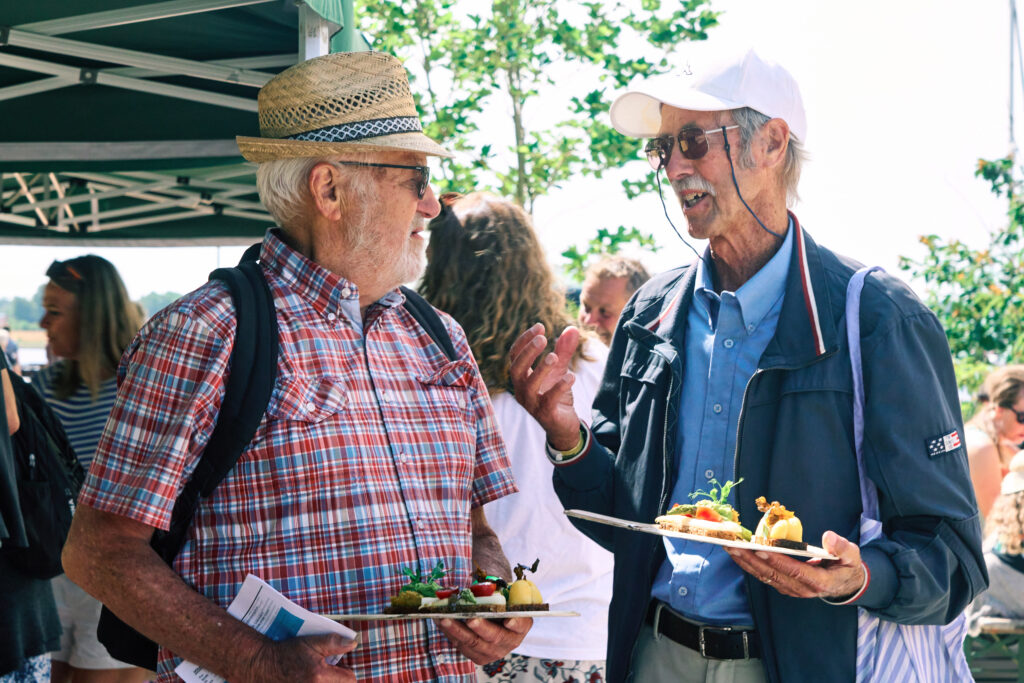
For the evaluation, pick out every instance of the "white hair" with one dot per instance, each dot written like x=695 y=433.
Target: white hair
x=283 y=185
x=750 y=121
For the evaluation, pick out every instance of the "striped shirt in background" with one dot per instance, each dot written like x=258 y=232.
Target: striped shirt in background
x=82 y=418
x=373 y=451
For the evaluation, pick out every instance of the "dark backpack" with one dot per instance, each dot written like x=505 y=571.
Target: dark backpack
x=245 y=401
x=48 y=477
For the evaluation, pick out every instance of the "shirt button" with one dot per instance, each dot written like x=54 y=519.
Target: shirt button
x=708 y=474
x=683 y=591
x=310 y=407
x=384 y=396
x=331 y=316
x=751 y=327
x=346 y=292
x=728 y=343
x=717 y=407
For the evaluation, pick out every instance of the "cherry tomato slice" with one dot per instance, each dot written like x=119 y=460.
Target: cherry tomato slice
x=482 y=590
x=443 y=593
x=708 y=514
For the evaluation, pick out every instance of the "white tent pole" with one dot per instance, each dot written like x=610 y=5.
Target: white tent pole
x=314 y=33
x=131 y=15
x=33 y=87
x=130 y=83
x=168 y=65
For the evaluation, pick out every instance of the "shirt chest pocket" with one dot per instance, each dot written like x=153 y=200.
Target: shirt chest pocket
x=449 y=388
x=307 y=399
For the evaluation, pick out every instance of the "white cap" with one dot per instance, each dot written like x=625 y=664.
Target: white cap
x=732 y=82
x=1014 y=480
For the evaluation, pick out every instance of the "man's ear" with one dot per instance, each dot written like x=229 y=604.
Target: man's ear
x=323 y=188
x=774 y=142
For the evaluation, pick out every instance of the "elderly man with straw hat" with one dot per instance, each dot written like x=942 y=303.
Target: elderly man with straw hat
x=377 y=451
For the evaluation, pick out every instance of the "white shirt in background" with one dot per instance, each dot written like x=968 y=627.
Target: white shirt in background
x=574 y=572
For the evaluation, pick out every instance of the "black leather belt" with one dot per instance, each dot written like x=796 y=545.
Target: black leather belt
x=712 y=642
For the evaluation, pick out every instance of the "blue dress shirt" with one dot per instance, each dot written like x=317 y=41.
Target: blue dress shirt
x=725 y=337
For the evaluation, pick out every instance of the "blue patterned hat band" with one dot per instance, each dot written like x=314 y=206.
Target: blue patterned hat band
x=357 y=130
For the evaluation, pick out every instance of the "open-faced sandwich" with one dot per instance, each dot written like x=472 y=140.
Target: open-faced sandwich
x=485 y=594
x=710 y=516
x=779 y=527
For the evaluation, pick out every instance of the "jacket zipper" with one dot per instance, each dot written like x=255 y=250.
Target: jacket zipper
x=662 y=500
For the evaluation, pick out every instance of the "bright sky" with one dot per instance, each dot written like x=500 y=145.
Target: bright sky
x=902 y=98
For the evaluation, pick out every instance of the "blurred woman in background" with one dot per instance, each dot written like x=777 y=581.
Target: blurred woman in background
x=1004 y=556
x=994 y=434
x=89 y=320
x=486 y=268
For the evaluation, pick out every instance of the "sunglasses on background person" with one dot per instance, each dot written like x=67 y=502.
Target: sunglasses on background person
x=1018 y=413
x=64 y=275
x=423 y=171
x=693 y=145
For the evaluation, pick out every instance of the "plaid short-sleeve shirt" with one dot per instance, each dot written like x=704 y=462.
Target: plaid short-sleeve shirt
x=373 y=451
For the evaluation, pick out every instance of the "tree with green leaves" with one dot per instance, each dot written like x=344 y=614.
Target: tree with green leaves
x=976 y=293
x=464 y=57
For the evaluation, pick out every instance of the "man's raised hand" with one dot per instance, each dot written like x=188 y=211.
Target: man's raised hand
x=545 y=390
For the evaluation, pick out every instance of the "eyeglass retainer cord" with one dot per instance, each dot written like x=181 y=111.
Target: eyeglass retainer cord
x=732 y=170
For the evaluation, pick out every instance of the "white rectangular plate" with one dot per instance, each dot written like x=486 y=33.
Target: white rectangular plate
x=452 y=615
x=812 y=551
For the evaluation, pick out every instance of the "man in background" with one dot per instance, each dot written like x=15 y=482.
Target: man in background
x=607 y=287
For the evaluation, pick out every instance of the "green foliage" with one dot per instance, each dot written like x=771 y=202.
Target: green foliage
x=976 y=292
x=155 y=301
x=605 y=243
x=505 y=56
x=22 y=313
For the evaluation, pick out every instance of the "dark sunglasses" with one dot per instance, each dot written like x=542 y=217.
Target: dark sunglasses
x=1018 y=413
x=64 y=275
x=422 y=183
x=693 y=144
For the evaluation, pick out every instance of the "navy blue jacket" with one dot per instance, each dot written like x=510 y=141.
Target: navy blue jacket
x=795 y=445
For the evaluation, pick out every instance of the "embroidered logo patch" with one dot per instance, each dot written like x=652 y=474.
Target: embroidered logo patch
x=943 y=444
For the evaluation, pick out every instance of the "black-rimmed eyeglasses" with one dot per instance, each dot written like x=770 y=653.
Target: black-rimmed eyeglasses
x=424 y=172
x=693 y=144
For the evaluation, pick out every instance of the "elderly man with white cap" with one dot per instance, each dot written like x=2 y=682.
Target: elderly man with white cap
x=377 y=451
x=737 y=368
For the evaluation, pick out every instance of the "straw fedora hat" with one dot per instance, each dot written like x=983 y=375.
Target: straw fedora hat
x=337 y=103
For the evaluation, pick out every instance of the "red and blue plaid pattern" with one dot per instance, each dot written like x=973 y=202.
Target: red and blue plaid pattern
x=373 y=451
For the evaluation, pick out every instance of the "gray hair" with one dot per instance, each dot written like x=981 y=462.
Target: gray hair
x=283 y=185
x=750 y=121
x=620 y=266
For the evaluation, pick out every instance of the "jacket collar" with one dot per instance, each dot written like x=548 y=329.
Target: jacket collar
x=806 y=329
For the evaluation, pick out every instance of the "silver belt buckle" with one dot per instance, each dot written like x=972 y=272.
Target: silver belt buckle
x=725 y=629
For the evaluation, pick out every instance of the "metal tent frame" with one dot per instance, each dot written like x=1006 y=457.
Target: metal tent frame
x=181 y=190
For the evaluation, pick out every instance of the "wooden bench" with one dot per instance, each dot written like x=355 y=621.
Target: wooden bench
x=997 y=653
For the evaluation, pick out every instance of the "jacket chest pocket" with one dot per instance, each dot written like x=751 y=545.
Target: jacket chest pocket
x=641 y=375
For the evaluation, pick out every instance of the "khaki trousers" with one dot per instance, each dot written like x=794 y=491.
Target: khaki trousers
x=657 y=658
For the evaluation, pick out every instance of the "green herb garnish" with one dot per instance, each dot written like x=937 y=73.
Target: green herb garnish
x=427 y=587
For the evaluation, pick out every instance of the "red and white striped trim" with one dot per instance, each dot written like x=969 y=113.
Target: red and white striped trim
x=654 y=324
x=805 y=280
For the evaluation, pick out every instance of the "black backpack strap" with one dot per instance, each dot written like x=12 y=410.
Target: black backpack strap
x=428 y=319
x=250 y=383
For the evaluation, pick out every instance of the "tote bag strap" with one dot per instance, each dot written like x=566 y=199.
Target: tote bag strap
x=868 y=493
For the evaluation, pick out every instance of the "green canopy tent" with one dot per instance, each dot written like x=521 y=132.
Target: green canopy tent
x=118 y=118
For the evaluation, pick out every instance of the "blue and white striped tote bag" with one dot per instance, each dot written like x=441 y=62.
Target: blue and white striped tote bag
x=887 y=651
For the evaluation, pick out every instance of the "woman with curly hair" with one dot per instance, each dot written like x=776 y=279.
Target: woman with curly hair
x=89 y=320
x=1004 y=557
x=994 y=433
x=486 y=268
